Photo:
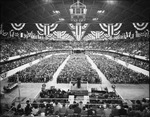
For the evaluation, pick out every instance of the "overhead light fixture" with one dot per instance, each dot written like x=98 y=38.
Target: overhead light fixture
x=78 y=12
x=100 y=11
x=48 y=1
x=61 y=19
x=95 y=19
x=56 y=12
x=111 y=1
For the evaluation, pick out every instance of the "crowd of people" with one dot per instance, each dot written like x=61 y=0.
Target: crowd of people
x=104 y=96
x=132 y=46
x=13 y=47
x=14 y=64
x=41 y=72
x=54 y=94
x=136 y=62
x=78 y=109
x=117 y=73
x=78 y=67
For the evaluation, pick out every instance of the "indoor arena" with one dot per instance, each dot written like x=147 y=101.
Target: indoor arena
x=74 y=58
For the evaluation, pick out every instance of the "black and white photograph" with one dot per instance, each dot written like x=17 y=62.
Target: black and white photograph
x=74 y=58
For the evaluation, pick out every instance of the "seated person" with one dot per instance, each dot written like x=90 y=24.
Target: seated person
x=35 y=110
x=19 y=110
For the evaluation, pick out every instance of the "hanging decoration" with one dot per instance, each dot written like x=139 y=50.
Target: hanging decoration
x=85 y=26
x=45 y=29
x=59 y=34
x=18 y=27
x=71 y=26
x=110 y=28
x=140 y=26
x=78 y=30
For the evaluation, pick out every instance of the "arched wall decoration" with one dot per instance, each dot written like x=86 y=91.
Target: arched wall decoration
x=45 y=28
x=53 y=26
x=18 y=27
x=139 y=26
x=110 y=28
x=59 y=34
x=103 y=26
x=97 y=35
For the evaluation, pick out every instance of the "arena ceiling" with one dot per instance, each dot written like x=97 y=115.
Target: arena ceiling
x=42 y=11
x=31 y=11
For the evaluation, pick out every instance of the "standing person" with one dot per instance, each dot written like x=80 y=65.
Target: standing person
x=78 y=82
x=28 y=108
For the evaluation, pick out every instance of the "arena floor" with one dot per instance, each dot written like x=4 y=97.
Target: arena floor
x=31 y=90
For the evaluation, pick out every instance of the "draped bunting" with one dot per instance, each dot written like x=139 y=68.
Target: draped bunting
x=100 y=31
x=139 y=26
x=45 y=29
x=71 y=26
x=78 y=30
x=110 y=28
x=18 y=27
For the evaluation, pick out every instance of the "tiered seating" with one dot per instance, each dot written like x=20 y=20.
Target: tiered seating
x=41 y=72
x=136 y=62
x=134 y=46
x=117 y=73
x=14 y=64
x=104 y=96
x=15 y=47
x=140 y=108
x=78 y=67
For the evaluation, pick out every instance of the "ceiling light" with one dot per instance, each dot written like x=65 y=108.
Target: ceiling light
x=48 y=1
x=100 y=11
x=61 y=19
x=111 y=1
x=95 y=19
x=78 y=11
x=56 y=12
